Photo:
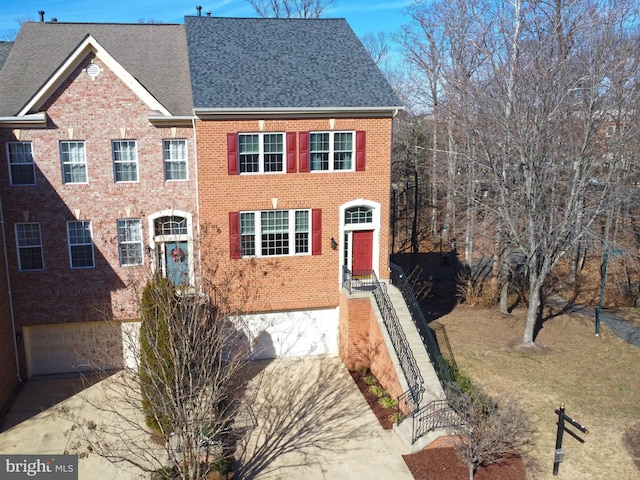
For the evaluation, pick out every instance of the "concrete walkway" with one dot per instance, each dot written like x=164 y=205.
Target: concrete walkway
x=618 y=325
x=312 y=424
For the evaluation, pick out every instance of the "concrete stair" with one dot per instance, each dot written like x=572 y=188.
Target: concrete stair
x=433 y=389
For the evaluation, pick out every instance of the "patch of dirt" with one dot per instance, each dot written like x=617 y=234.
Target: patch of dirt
x=631 y=442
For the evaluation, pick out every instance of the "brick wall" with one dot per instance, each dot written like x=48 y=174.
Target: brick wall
x=302 y=281
x=362 y=344
x=97 y=112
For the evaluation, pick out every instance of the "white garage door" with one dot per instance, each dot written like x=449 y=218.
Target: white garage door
x=73 y=347
x=292 y=334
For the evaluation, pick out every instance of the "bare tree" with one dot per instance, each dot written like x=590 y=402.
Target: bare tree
x=291 y=8
x=177 y=405
x=377 y=45
x=522 y=94
x=543 y=109
x=11 y=35
x=484 y=431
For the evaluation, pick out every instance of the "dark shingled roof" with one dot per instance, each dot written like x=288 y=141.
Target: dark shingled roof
x=155 y=54
x=248 y=63
x=5 y=48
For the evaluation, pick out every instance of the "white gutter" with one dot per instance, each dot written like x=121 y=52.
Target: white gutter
x=171 y=121
x=21 y=121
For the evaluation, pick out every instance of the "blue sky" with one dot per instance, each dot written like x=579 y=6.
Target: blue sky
x=364 y=16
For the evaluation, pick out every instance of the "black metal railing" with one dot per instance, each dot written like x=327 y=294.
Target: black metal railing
x=368 y=281
x=433 y=415
x=437 y=413
x=399 y=279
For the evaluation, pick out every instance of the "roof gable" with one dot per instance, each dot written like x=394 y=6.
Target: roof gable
x=154 y=55
x=89 y=45
x=263 y=64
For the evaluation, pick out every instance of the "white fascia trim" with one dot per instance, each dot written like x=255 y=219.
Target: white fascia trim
x=88 y=45
x=298 y=112
x=171 y=121
x=24 y=121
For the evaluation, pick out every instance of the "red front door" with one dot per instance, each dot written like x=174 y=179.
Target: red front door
x=361 y=262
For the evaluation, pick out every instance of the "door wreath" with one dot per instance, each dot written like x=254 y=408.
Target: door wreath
x=177 y=255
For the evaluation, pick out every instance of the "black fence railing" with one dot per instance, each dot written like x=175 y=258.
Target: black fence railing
x=441 y=367
x=433 y=415
x=368 y=281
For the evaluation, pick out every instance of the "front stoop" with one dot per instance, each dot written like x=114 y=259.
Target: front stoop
x=404 y=432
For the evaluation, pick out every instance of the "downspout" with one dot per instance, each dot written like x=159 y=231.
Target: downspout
x=195 y=162
x=390 y=241
x=11 y=313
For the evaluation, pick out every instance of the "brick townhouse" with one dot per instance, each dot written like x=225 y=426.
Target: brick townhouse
x=293 y=127
x=121 y=142
x=98 y=182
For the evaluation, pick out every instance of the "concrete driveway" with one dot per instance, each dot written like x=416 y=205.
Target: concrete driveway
x=312 y=423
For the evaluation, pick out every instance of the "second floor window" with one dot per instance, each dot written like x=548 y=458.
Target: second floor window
x=80 y=244
x=261 y=152
x=21 y=165
x=330 y=151
x=130 y=241
x=74 y=162
x=125 y=161
x=29 y=244
x=175 y=159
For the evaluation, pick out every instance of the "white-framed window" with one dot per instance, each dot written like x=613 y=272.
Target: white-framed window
x=74 y=162
x=29 y=243
x=359 y=214
x=175 y=159
x=261 y=152
x=275 y=232
x=125 y=160
x=329 y=151
x=80 y=244
x=21 y=165
x=130 y=241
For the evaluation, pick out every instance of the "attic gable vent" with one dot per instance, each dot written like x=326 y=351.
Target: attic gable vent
x=93 y=70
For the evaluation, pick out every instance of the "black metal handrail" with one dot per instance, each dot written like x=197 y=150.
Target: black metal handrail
x=399 y=279
x=433 y=415
x=368 y=281
x=437 y=413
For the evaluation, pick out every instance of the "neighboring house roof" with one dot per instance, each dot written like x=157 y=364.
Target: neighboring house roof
x=154 y=54
x=5 y=48
x=282 y=64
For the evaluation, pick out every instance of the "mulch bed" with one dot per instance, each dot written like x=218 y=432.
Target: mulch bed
x=439 y=461
x=381 y=413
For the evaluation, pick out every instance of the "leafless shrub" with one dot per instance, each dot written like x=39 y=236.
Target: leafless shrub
x=475 y=291
x=485 y=431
